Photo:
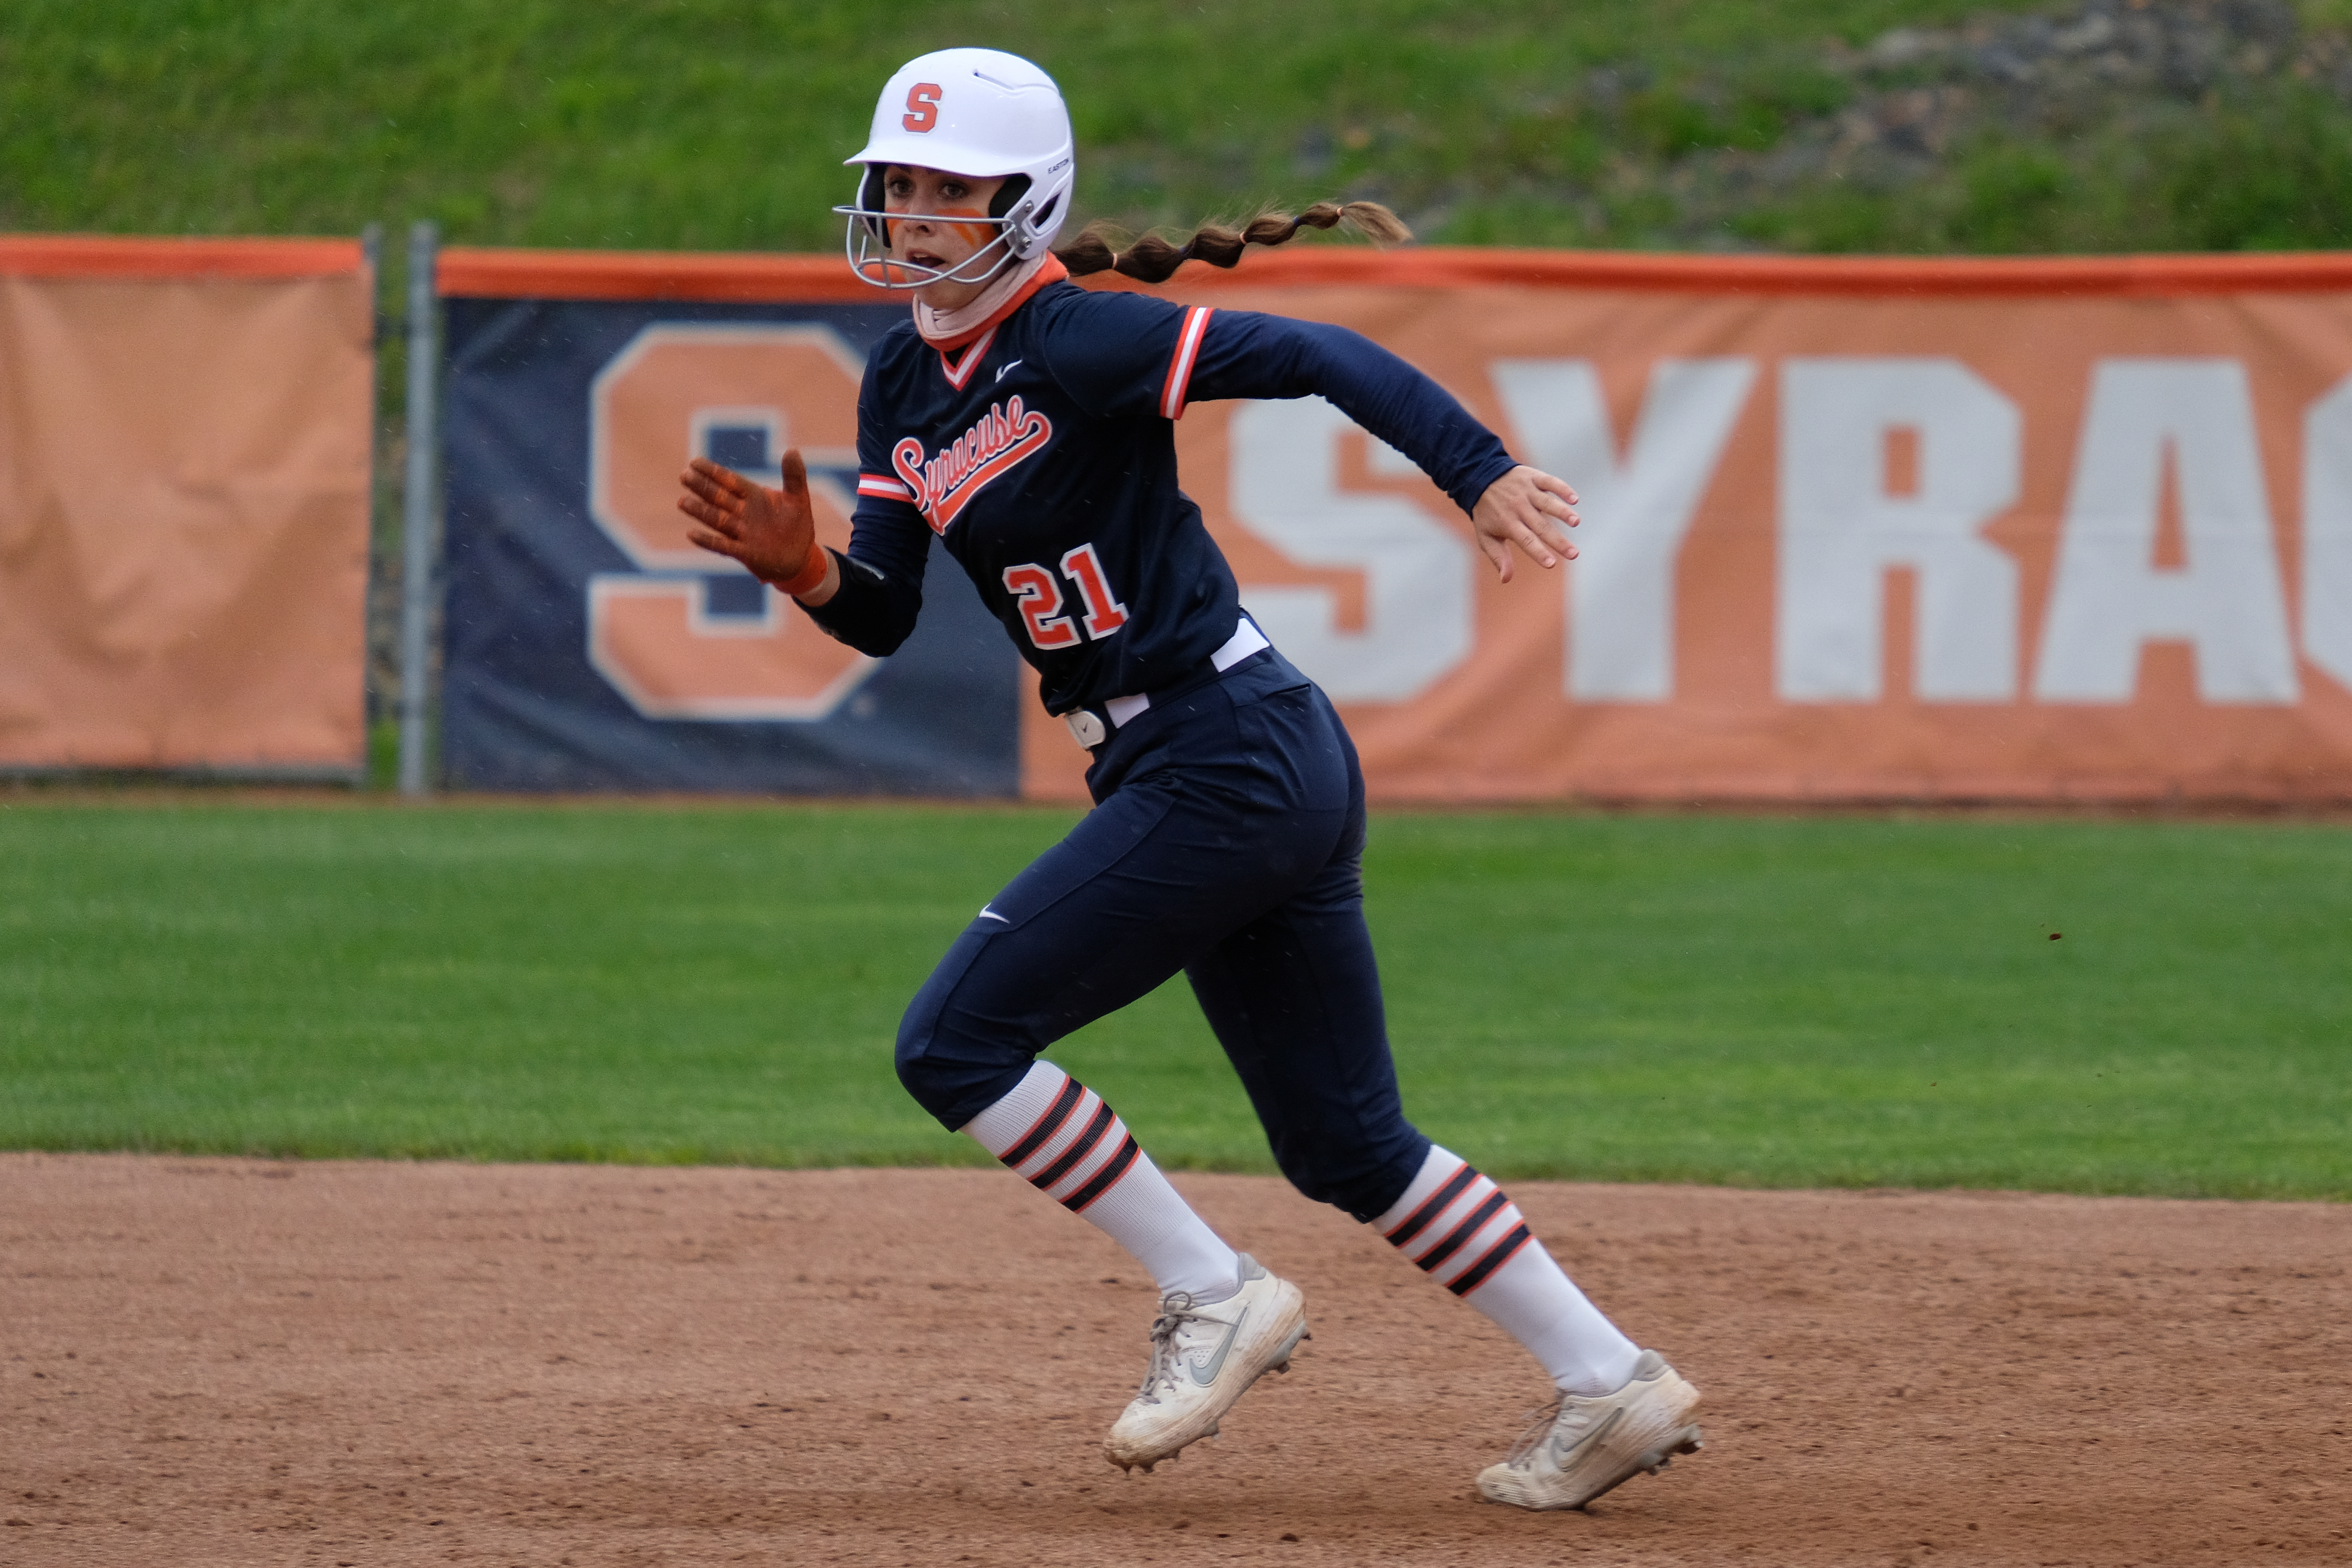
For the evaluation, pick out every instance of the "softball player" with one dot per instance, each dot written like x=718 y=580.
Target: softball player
x=1030 y=425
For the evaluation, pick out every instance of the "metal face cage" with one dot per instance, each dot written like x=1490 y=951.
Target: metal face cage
x=869 y=256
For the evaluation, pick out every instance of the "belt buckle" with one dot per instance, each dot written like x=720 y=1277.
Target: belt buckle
x=1086 y=727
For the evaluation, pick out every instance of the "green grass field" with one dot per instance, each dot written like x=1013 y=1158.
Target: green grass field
x=1749 y=1000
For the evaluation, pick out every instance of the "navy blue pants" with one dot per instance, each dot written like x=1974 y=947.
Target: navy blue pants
x=1225 y=841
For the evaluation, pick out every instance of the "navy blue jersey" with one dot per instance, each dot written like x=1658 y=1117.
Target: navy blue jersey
x=1044 y=455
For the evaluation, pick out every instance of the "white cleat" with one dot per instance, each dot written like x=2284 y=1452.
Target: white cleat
x=1202 y=1359
x=1582 y=1448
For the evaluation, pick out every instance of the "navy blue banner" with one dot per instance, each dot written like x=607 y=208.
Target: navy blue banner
x=590 y=646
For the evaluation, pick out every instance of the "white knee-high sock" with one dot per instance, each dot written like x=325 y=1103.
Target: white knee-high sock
x=1061 y=1137
x=1459 y=1229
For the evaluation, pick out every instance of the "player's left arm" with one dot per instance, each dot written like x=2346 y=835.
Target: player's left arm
x=1511 y=505
x=1125 y=355
x=1530 y=508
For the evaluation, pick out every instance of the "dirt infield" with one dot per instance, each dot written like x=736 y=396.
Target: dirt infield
x=236 y=1362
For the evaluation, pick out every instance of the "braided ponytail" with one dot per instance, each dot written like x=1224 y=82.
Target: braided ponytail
x=1152 y=259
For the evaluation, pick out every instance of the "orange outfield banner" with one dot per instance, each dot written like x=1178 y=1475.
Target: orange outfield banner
x=185 y=432
x=499 y=273
x=2039 y=530
x=517 y=274
x=2028 y=529
x=89 y=256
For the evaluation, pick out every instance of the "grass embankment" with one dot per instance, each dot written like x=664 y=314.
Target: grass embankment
x=1748 y=1000
x=2092 y=124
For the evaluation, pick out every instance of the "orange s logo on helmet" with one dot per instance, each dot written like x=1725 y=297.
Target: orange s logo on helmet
x=922 y=105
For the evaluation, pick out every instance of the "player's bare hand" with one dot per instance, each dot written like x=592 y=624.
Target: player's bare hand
x=1527 y=509
x=769 y=531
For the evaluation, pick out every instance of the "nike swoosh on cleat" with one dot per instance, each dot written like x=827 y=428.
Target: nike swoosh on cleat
x=1006 y=370
x=1205 y=1373
x=1592 y=1434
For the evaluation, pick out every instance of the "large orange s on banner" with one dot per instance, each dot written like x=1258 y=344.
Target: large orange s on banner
x=185 y=451
x=2047 y=530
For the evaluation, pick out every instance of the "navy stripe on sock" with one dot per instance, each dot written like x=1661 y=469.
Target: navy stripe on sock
x=1051 y=1123
x=1102 y=1181
x=1429 y=1211
x=1080 y=1147
x=1502 y=1252
x=1496 y=1203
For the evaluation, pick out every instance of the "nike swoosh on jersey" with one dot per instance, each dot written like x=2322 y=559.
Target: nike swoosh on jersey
x=987 y=914
x=1205 y=1373
x=1006 y=370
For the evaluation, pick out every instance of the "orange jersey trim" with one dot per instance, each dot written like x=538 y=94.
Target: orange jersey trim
x=1178 y=384
x=1052 y=271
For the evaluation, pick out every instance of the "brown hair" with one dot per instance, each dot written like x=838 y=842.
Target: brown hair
x=1152 y=259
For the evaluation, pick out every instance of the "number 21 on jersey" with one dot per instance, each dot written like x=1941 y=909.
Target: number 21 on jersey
x=1041 y=600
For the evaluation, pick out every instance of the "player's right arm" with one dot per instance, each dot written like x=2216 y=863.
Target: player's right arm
x=772 y=531
x=879 y=592
x=869 y=598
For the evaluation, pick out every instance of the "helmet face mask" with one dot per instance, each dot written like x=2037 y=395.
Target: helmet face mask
x=980 y=113
x=869 y=247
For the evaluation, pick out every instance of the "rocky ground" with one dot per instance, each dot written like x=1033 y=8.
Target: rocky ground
x=1921 y=97
x=2102 y=125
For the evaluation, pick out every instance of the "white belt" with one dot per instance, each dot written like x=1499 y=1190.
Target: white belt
x=1086 y=726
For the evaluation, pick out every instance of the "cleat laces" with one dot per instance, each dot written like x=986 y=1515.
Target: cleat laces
x=1539 y=1428
x=1175 y=1312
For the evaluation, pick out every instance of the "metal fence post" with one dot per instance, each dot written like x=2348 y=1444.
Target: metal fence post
x=371 y=698
x=420 y=509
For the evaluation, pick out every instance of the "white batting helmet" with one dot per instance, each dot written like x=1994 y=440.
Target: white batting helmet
x=981 y=113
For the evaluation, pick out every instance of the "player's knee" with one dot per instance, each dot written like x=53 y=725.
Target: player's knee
x=931 y=1080
x=1350 y=1192
x=1364 y=1178
x=954 y=1066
